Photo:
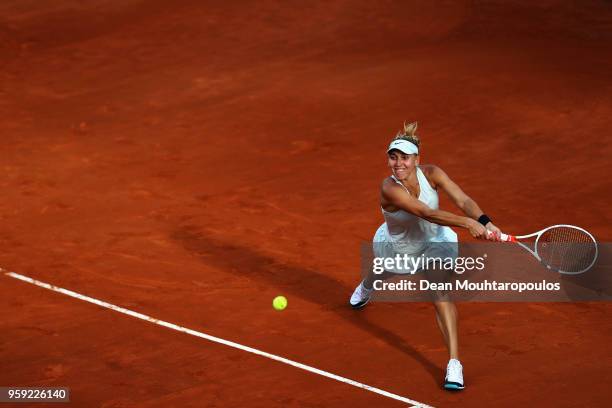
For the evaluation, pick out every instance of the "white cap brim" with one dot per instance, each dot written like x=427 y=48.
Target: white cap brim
x=403 y=146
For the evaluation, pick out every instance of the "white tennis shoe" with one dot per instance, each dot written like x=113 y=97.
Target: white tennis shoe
x=361 y=296
x=454 y=375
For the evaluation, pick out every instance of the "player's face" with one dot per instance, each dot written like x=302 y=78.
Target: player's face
x=402 y=165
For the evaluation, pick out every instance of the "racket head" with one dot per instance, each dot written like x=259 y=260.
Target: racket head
x=566 y=249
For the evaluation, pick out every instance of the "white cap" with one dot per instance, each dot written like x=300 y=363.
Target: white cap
x=403 y=146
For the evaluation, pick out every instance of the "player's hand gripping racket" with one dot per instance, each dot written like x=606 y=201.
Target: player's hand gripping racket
x=562 y=248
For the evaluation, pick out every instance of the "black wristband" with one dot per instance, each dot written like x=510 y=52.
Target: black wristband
x=484 y=219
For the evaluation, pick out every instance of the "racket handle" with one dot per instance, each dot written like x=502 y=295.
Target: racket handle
x=503 y=237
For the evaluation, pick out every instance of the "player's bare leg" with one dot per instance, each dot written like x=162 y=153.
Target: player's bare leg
x=446 y=316
x=442 y=329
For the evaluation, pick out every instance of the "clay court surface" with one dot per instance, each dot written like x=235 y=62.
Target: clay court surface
x=191 y=160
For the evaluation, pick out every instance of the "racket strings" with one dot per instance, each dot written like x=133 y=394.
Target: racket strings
x=567 y=249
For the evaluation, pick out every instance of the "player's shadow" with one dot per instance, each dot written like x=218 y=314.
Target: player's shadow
x=294 y=280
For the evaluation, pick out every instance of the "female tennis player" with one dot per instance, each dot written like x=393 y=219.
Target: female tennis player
x=414 y=226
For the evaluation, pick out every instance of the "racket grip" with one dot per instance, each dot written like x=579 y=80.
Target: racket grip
x=503 y=237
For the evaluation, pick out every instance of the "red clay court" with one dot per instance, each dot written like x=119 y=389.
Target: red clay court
x=191 y=160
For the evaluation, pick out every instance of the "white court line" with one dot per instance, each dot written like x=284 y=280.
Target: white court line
x=195 y=333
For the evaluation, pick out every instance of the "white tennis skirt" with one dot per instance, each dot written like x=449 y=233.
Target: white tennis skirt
x=443 y=245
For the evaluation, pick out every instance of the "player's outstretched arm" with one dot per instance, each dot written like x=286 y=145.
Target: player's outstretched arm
x=398 y=197
x=464 y=202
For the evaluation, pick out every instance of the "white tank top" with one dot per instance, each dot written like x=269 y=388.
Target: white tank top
x=413 y=232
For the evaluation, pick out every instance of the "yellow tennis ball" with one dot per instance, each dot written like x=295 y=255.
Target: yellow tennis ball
x=279 y=303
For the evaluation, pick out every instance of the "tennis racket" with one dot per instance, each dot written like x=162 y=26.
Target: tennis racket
x=562 y=248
